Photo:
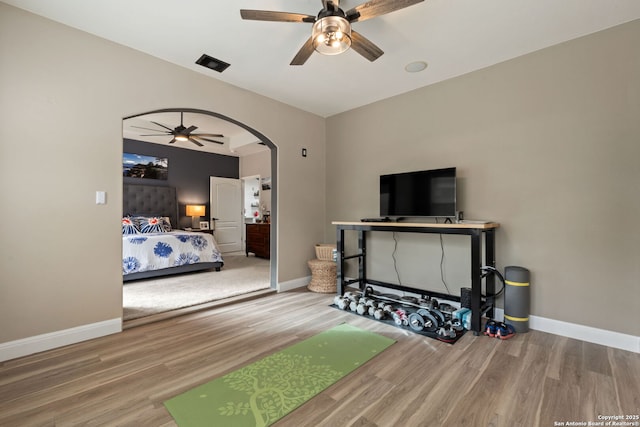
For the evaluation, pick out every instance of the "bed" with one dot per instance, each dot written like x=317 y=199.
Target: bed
x=151 y=246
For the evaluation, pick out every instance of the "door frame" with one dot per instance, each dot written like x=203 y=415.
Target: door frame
x=243 y=183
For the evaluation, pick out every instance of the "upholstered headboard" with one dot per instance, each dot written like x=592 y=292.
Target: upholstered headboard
x=150 y=200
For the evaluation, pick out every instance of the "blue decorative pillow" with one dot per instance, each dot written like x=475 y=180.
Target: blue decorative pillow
x=130 y=226
x=153 y=224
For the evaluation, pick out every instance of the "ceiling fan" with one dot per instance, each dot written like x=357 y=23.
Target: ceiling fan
x=332 y=33
x=181 y=133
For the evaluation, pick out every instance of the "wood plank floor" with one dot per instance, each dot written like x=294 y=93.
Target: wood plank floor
x=534 y=379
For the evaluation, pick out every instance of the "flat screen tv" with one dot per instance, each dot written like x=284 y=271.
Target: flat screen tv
x=429 y=193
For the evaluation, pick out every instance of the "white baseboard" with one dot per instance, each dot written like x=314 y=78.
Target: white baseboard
x=38 y=343
x=24 y=347
x=577 y=331
x=580 y=332
x=293 y=284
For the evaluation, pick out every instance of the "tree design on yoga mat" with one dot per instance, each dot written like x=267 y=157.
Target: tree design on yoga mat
x=276 y=385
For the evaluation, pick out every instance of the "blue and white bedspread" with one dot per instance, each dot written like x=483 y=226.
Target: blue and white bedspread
x=155 y=251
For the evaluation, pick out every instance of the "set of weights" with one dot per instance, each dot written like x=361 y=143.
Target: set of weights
x=427 y=317
x=430 y=316
x=363 y=305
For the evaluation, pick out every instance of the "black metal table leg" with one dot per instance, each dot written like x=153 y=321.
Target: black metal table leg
x=476 y=282
x=340 y=260
x=490 y=260
x=362 y=260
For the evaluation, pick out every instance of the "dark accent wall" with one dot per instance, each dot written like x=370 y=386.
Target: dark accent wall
x=189 y=173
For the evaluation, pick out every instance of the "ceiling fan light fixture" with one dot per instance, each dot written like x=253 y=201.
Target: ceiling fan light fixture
x=182 y=138
x=331 y=35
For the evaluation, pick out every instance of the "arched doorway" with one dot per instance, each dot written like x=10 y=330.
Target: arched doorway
x=163 y=123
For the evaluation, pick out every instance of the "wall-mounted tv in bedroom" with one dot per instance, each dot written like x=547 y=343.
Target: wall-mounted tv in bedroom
x=429 y=193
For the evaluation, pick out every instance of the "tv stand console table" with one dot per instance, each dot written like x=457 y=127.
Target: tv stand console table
x=476 y=233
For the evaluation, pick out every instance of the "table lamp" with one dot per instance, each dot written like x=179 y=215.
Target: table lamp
x=195 y=212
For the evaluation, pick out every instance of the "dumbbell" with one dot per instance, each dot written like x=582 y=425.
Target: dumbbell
x=423 y=319
x=446 y=331
x=400 y=317
x=456 y=325
x=361 y=308
x=369 y=306
x=437 y=314
x=349 y=295
x=343 y=303
x=379 y=314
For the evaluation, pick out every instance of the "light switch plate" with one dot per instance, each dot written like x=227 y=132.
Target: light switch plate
x=101 y=197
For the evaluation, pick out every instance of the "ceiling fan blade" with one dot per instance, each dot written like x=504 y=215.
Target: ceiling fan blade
x=269 y=15
x=162 y=126
x=304 y=53
x=172 y=141
x=364 y=47
x=215 y=135
x=374 y=8
x=140 y=127
x=195 y=142
x=157 y=134
x=190 y=129
x=207 y=139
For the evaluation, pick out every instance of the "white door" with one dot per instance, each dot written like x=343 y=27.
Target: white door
x=226 y=213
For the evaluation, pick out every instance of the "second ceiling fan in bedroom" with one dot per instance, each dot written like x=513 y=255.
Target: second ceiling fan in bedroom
x=182 y=133
x=331 y=33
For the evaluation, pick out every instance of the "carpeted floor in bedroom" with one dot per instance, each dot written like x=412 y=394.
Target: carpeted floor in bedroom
x=240 y=275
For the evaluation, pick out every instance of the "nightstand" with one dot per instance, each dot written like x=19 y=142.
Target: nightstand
x=258 y=239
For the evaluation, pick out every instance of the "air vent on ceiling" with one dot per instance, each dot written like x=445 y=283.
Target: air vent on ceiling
x=213 y=63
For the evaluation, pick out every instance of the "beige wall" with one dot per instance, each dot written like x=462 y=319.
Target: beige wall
x=64 y=94
x=547 y=144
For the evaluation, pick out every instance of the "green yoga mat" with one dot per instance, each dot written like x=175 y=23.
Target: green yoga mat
x=261 y=393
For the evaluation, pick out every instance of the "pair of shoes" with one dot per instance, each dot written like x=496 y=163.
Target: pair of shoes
x=499 y=330
x=490 y=328
x=505 y=331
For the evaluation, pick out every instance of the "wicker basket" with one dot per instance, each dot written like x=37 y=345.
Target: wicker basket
x=324 y=251
x=323 y=276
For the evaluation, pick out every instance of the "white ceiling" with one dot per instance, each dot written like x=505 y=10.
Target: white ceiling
x=453 y=36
